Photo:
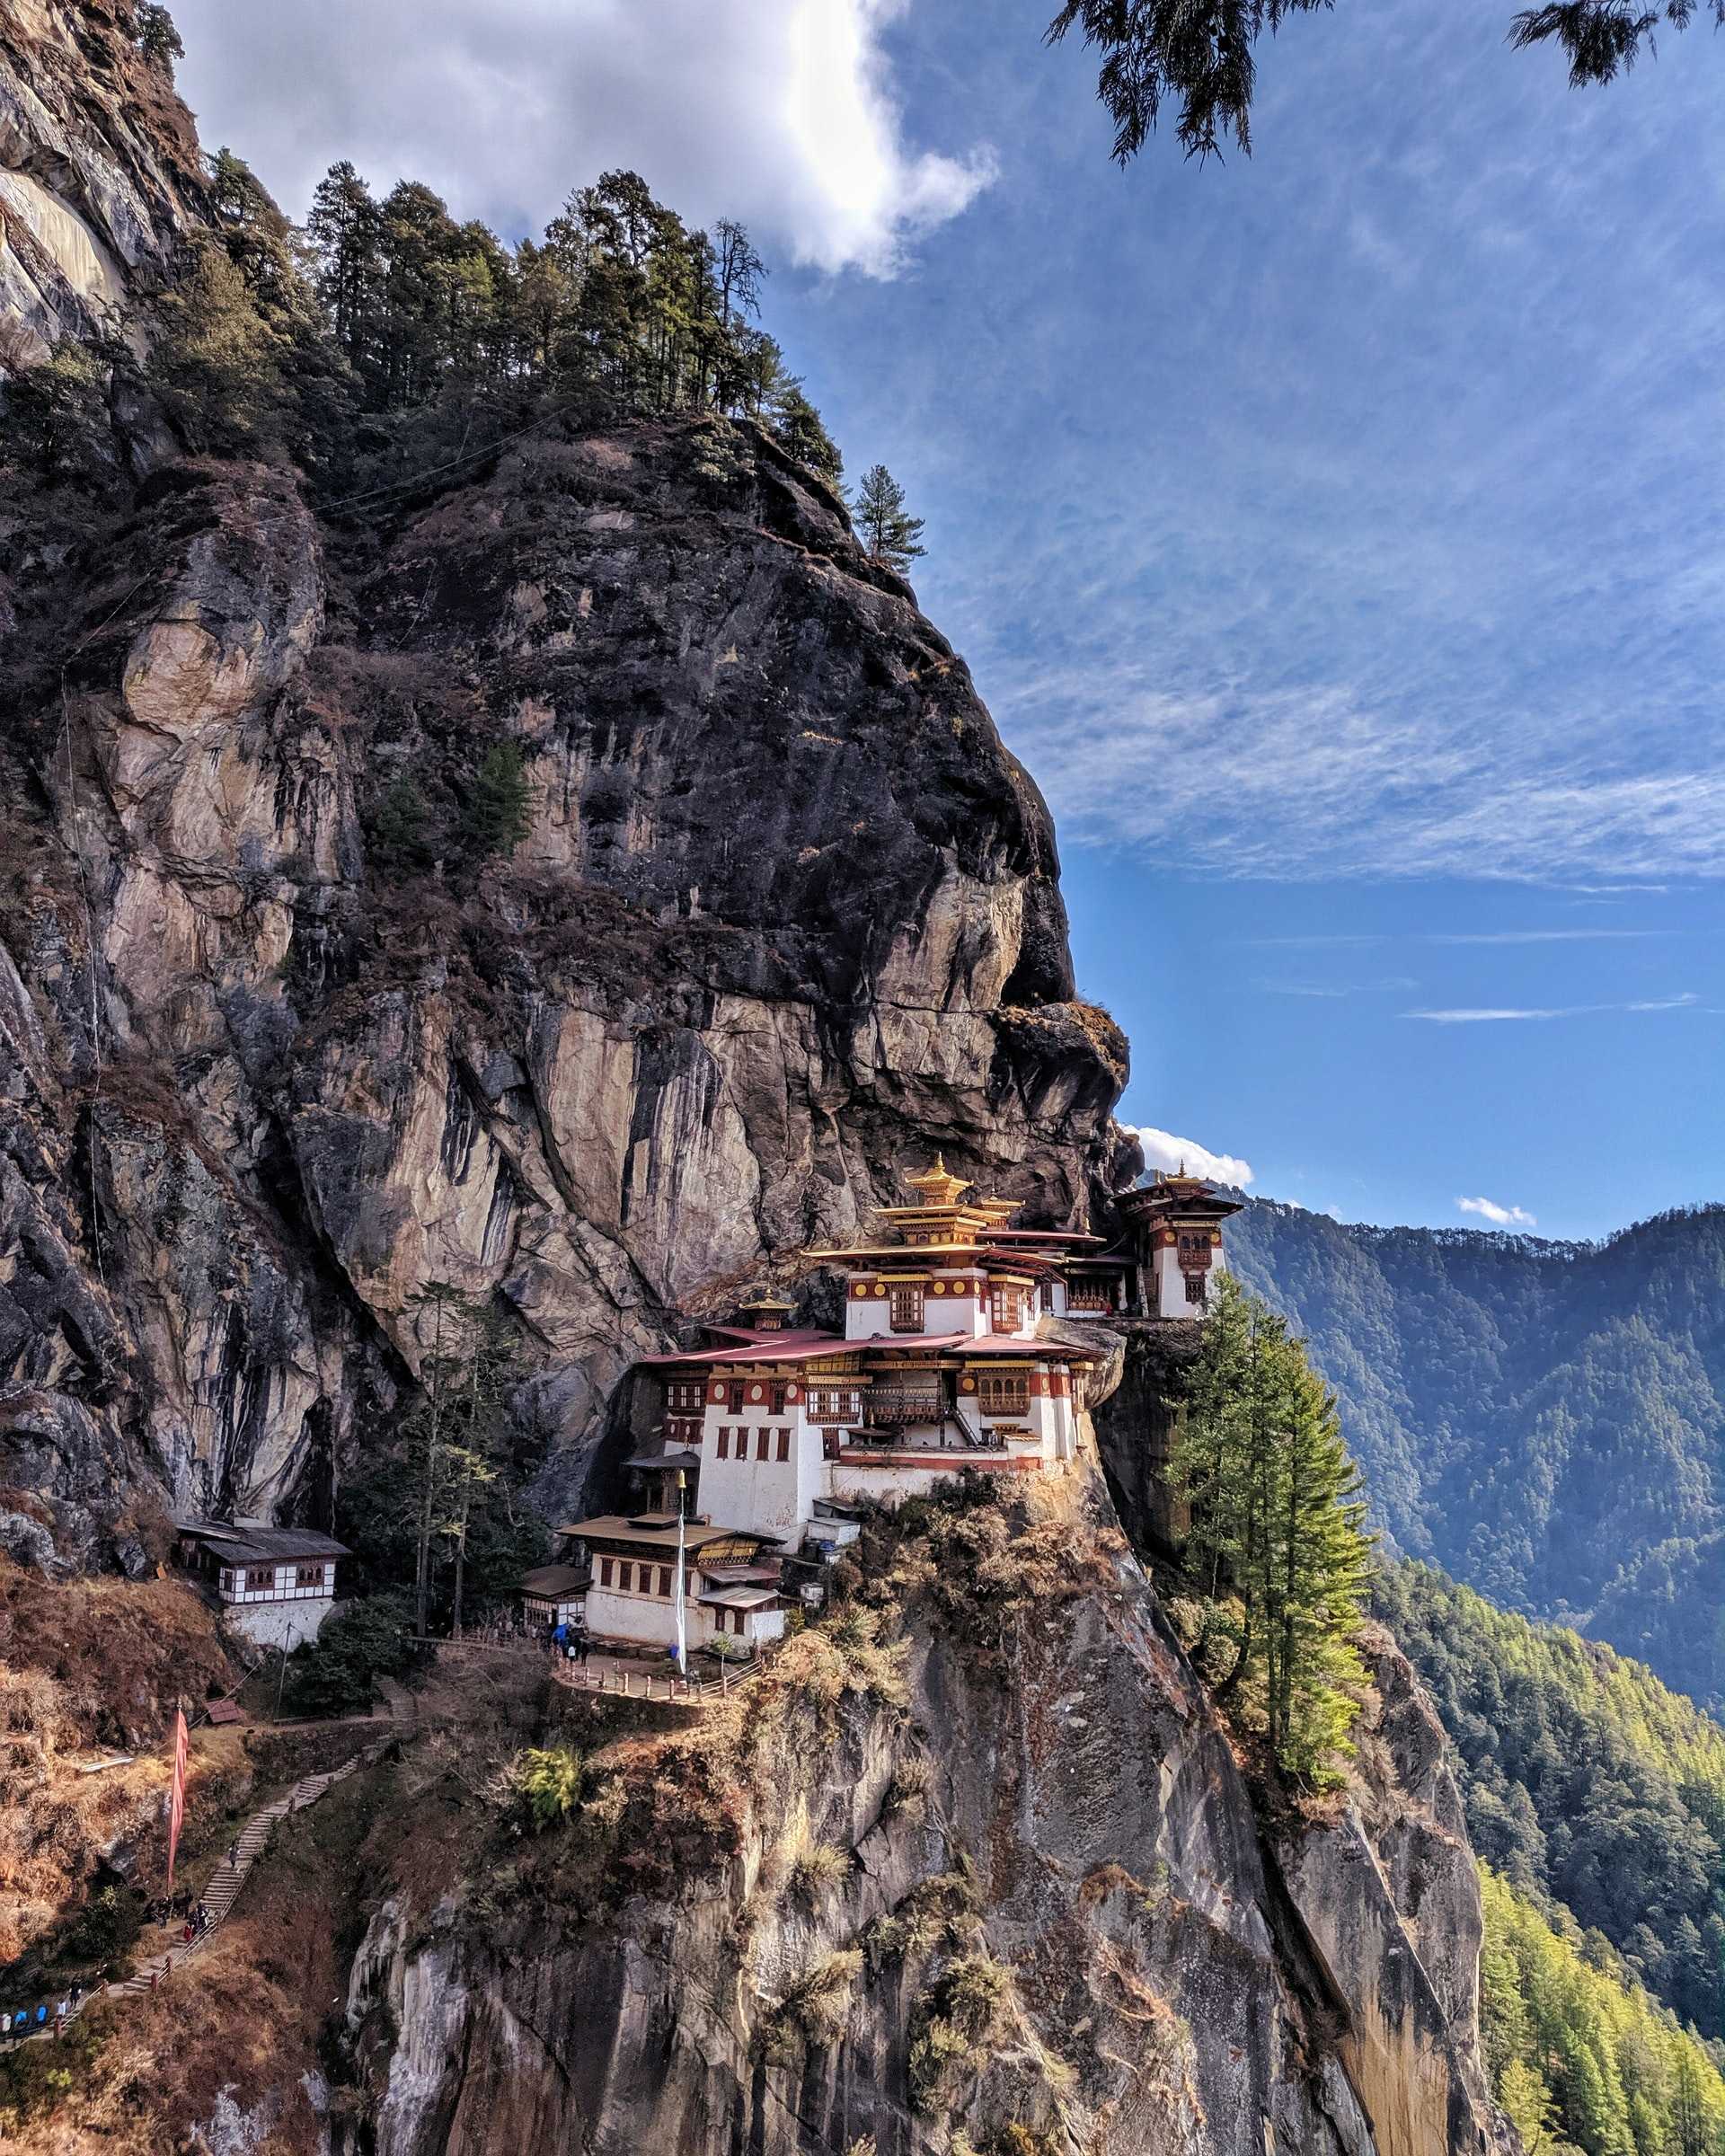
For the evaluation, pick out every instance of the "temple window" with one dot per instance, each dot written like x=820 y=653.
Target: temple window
x=775 y=1396
x=735 y=1395
x=1005 y=1309
x=259 y=1578
x=725 y=1441
x=1008 y=1394
x=665 y=1581
x=906 y=1310
x=685 y=1396
x=607 y=1572
x=784 y=1444
x=308 y=1576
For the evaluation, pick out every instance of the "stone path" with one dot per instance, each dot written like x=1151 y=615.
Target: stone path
x=224 y=1883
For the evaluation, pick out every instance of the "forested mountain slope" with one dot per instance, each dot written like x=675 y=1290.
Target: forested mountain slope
x=1544 y=1419
x=1596 y=1799
x=1586 y=1783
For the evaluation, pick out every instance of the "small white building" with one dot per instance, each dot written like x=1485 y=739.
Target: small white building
x=276 y=1585
x=730 y=1583
x=553 y=1594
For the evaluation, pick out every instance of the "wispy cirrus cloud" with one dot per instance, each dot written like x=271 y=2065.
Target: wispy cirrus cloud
x=1500 y=1216
x=1486 y=1015
x=1321 y=783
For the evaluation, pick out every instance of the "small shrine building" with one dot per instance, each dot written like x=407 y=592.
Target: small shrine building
x=276 y=1585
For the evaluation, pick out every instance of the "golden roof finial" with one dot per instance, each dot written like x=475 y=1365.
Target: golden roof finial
x=938 y=1186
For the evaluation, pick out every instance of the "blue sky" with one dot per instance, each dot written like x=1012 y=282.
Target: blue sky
x=1335 y=533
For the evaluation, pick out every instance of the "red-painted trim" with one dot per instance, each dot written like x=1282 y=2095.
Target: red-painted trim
x=989 y=1463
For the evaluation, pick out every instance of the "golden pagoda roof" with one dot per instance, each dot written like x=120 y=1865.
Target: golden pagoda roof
x=937 y=1186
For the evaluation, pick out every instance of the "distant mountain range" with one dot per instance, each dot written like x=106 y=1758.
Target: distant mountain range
x=1544 y=1419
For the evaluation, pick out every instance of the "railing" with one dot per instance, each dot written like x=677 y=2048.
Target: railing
x=621 y=1682
x=891 y=1405
x=1003 y=1400
x=1090 y=1305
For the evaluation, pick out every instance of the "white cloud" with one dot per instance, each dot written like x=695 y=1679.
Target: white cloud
x=1554 y=935
x=1322 y=783
x=1489 y=1016
x=783 y=113
x=1162 y=1150
x=1500 y=1216
x=1475 y=1017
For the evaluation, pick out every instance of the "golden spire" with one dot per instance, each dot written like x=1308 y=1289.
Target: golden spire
x=937 y=1186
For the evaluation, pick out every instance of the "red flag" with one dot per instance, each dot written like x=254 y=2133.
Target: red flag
x=177 y=1795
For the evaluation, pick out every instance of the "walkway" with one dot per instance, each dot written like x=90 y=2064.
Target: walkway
x=225 y=1884
x=624 y=1676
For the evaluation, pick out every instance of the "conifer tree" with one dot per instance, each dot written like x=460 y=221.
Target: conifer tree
x=502 y=808
x=344 y=228
x=158 y=40
x=1277 y=1539
x=886 y=527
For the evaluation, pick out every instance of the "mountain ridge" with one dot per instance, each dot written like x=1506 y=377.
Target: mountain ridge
x=1545 y=1419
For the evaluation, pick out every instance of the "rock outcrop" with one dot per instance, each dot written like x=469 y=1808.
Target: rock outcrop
x=786 y=917
x=1046 y=1902
x=100 y=172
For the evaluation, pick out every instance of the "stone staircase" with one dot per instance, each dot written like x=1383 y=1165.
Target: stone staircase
x=226 y=1881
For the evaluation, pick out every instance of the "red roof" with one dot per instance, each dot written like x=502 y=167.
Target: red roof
x=759 y=1348
x=795 y=1348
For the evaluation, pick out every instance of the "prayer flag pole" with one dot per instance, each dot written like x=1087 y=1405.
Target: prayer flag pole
x=177 y=1793
x=678 y=1600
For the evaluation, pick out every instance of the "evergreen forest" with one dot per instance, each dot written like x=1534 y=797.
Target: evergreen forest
x=1542 y=1419
x=388 y=347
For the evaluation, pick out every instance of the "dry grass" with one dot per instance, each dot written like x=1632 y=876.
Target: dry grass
x=96 y=1663
x=123 y=1650
x=136 y=2076
x=803 y=1864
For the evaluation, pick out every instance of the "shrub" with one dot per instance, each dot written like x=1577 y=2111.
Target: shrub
x=953 y=2023
x=403 y=827
x=945 y=1911
x=908 y=1793
x=334 y=1673
x=107 y=1925
x=817 y=2004
x=547 y=1785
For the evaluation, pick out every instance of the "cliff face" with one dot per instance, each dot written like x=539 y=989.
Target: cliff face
x=1045 y=1902
x=99 y=172
x=785 y=918
x=285 y=1037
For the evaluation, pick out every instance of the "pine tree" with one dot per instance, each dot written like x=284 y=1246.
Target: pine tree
x=158 y=40
x=344 y=228
x=887 y=529
x=500 y=813
x=1277 y=1539
x=404 y=829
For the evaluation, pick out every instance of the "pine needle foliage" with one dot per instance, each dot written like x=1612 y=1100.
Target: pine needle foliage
x=549 y=1785
x=1277 y=1542
x=1581 y=2059
x=883 y=521
x=1198 y=56
x=501 y=811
